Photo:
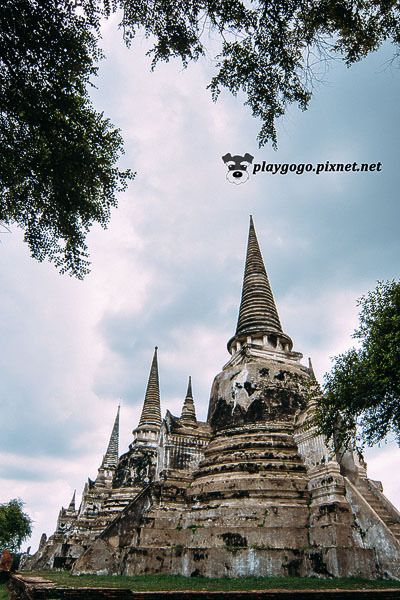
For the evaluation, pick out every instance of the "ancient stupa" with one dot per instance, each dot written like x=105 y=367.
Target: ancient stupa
x=254 y=491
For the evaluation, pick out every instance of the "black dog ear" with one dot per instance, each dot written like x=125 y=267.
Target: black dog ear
x=248 y=158
x=227 y=157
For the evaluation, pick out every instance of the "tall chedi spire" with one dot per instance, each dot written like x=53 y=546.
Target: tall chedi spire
x=150 y=420
x=110 y=458
x=258 y=321
x=188 y=416
x=151 y=411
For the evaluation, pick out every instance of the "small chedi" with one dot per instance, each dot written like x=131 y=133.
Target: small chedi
x=254 y=491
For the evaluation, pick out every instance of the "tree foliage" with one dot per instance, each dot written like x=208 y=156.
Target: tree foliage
x=57 y=154
x=272 y=50
x=361 y=403
x=15 y=525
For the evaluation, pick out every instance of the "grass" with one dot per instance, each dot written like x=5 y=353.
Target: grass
x=178 y=582
x=3 y=592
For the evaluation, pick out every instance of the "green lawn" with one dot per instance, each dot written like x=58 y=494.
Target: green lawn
x=177 y=582
x=3 y=592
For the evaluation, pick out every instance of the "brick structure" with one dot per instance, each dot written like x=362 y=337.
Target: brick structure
x=254 y=491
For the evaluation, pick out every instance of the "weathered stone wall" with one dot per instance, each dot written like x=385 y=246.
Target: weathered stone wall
x=373 y=532
x=259 y=389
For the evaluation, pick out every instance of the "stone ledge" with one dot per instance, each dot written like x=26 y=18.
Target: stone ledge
x=36 y=588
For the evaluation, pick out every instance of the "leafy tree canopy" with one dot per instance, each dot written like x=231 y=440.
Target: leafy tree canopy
x=15 y=525
x=272 y=50
x=363 y=387
x=57 y=154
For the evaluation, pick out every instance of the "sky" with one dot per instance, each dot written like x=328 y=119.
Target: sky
x=168 y=270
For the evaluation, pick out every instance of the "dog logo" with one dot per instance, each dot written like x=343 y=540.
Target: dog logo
x=237 y=167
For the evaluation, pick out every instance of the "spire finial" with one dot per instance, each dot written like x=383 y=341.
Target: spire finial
x=151 y=411
x=258 y=315
x=188 y=416
x=311 y=370
x=189 y=393
x=110 y=459
x=72 y=503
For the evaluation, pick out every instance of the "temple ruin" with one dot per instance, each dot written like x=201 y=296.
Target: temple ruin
x=254 y=491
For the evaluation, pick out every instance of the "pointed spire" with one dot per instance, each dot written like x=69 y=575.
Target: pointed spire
x=258 y=315
x=188 y=416
x=311 y=370
x=189 y=393
x=257 y=308
x=151 y=411
x=315 y=388
x=110 y=458
x=72 y=503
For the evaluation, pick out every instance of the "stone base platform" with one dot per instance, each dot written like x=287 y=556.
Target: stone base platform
x=35 y=588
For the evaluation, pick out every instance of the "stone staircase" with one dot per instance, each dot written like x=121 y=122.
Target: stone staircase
x=391 y=518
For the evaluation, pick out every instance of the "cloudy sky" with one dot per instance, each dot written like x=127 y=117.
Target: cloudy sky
x=168 y=270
